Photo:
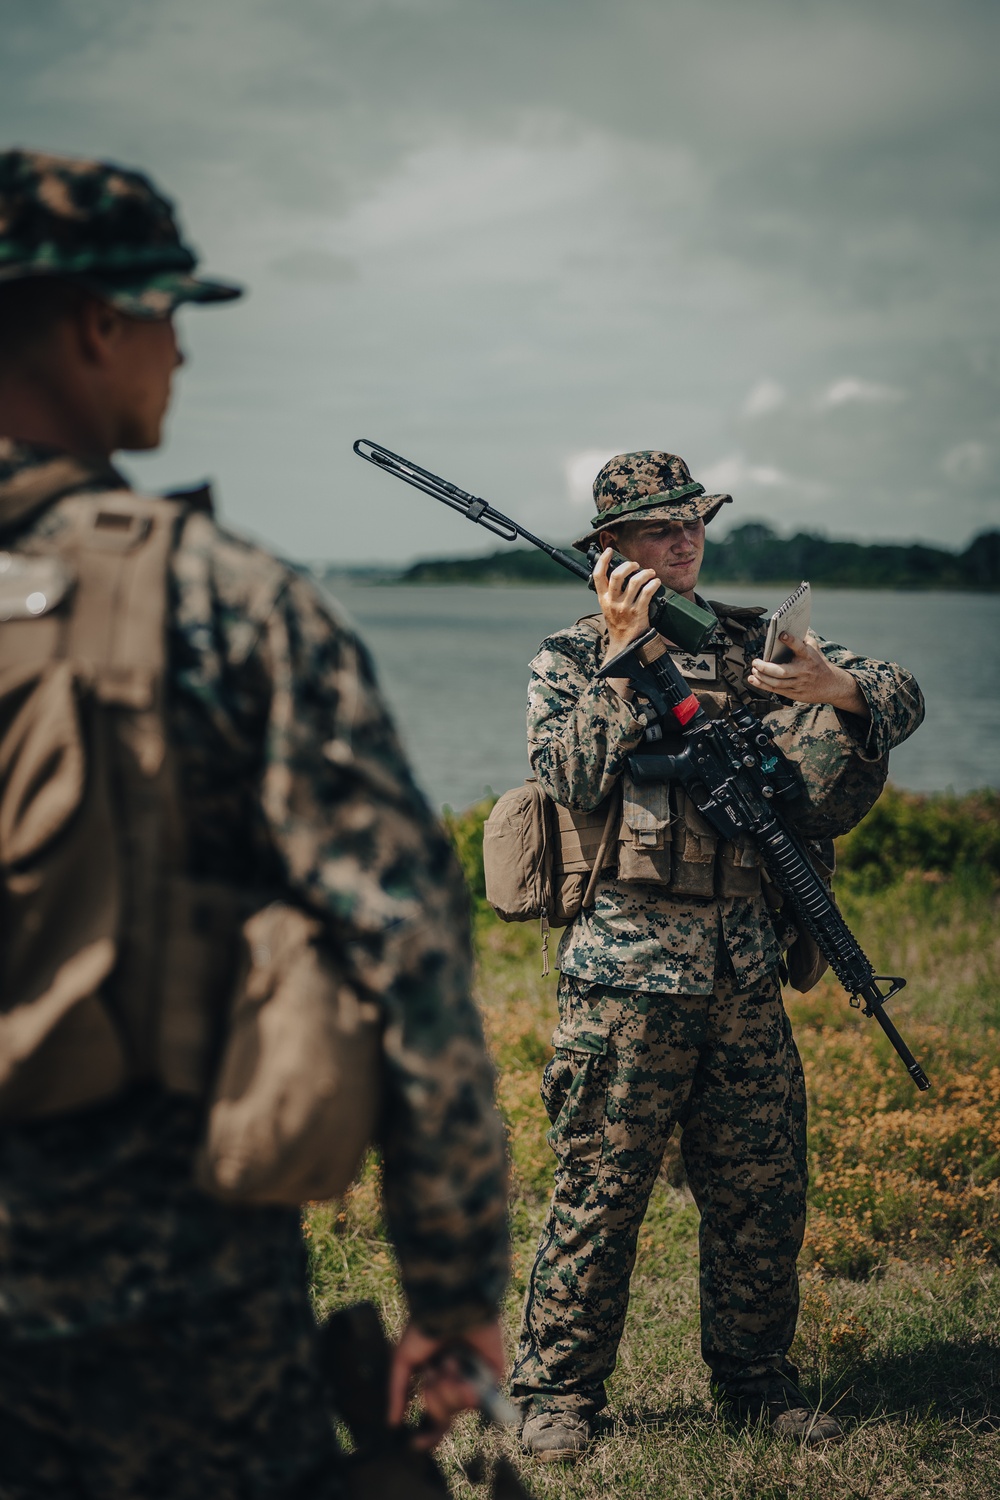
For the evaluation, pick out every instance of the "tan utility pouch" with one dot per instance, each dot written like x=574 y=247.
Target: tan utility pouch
x=645 y=837
x=539 y=857
x=297 y=1094
x=542 y=861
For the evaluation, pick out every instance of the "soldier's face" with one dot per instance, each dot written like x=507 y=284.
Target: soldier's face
x=147 y=355
x=673 y=549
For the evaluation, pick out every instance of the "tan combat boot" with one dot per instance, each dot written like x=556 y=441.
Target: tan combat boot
x=555 y=1437
x=784 y=1411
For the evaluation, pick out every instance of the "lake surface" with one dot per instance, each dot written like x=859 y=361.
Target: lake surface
x=453 y=661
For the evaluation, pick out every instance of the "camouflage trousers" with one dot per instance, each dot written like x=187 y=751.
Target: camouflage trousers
x=628 y=1067
x=222 y=1402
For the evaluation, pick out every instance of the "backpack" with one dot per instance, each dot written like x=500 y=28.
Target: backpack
x=116 y=966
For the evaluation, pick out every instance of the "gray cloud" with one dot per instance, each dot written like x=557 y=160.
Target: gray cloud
x=502 y=237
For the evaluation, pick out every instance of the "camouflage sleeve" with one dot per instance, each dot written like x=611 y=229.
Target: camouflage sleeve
x=360 y=846
x=892 y=695
x=580 y=728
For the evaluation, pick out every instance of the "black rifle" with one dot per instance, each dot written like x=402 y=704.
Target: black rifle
x=680 y=620
x=738 y=779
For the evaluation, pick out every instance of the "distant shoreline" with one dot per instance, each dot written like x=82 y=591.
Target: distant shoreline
x=331 y=578
x=751 y=555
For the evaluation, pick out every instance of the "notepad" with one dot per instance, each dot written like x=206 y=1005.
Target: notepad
x=792 y=616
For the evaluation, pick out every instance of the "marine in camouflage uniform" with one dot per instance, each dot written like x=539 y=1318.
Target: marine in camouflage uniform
x=670 y=1015
x=155 y=1341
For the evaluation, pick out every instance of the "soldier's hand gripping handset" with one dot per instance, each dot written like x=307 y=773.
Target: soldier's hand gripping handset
x=389 y=1457
x=624 y=593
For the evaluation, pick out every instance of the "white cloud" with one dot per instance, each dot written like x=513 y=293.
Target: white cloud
x=735 y=473
x=765 y=397
x=850 y=391
x=451 y=187
x=737 y=476
x=966 y=461
x=581 y=471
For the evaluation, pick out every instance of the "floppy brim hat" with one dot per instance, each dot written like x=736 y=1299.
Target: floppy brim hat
x=686 y=503
x=143 y=294
x=157 y=296
x=101 y=226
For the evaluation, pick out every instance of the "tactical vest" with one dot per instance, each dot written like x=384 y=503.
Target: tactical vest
x=662 y=838
x=114 y=965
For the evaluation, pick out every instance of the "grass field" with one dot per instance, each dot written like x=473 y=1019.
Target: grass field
x=900 y=1324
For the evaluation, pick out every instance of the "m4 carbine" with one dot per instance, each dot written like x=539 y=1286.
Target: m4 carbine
x=684 y=622
x=738 y=779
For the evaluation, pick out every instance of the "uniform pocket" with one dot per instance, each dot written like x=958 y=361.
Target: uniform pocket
x=574 y=1093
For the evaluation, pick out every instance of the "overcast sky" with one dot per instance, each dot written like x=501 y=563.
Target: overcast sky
x=511 y=237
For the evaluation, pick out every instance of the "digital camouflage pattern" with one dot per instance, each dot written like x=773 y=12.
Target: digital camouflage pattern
x=648 y=486
x=100 y=224
x=670 y=1013
x=629 y=1066
x=292 y=779
x=581 y=731
x=221 y=1398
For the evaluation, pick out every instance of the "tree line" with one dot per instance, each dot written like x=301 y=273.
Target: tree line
x=754 y=553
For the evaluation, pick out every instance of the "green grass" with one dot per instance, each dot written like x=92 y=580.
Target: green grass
x=900 y=1323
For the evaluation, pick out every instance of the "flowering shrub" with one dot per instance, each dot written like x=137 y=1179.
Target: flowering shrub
x=894 y=1172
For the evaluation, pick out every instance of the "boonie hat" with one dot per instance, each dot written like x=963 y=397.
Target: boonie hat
x=648 y=486
x=101 y=225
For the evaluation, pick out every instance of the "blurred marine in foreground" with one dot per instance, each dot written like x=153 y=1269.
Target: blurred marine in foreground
x=189 y=735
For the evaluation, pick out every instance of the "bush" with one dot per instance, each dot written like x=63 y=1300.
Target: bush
x=465 y=829
x=909 y=831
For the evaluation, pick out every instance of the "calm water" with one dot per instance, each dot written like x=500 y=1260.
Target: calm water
x=453 y=661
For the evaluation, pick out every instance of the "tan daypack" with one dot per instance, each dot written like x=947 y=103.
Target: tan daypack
x=116 y=966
